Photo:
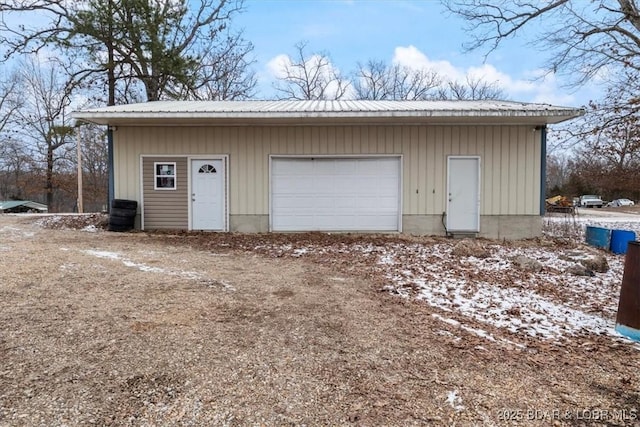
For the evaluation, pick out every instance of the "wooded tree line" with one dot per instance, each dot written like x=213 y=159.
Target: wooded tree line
x=106 y=52
x=605 y=159
x=74 y=54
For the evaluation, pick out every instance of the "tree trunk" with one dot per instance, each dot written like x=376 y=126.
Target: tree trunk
x=49 y=179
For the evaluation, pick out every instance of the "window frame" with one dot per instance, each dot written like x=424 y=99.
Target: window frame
x=157 y=176
x=208 y=171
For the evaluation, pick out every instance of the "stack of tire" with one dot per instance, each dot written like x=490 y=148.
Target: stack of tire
x=122 y=215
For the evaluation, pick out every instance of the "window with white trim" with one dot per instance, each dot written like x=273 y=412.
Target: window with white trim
x=164 y=175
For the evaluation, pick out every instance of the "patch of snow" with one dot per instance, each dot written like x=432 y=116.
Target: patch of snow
x=387 y=259
x=192 y=275
x=455 y=401
x=143 y=267
x=69 y=267
x=14 y=232
x=478 y=332
x=90 y=229
x=405 y=293
x=226 y=285
x=549 y=303
x=299 y=252
x=514 y=308
x=103 y=254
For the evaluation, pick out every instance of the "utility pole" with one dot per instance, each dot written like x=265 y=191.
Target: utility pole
x=79 y=144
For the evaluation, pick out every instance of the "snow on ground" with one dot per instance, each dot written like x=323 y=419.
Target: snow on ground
x=193 y=275
x=574 y=225
x=551 y=304
x=547 y=303
x=455 y=400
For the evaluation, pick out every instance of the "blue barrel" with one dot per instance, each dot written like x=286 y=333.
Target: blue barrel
x=620 y=240
x=598 y=237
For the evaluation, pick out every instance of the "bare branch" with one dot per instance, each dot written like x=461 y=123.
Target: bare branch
x=159 y=43
x=580 y=38
x=376 y=80
x=310 y=77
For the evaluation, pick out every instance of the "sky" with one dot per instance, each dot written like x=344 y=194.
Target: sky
x=414 y=33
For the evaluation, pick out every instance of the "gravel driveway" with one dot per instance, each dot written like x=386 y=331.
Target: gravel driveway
x=102 y=328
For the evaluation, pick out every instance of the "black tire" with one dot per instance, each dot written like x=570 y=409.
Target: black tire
x=128 y=221
x=124 y=204
x=123 y=212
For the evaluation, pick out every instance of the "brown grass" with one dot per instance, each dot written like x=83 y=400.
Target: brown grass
x=197 y=329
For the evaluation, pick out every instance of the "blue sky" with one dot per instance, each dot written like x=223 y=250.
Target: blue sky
x=416 y=33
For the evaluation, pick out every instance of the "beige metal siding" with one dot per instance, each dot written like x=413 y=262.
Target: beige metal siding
x=510 y=159
x=165 y=208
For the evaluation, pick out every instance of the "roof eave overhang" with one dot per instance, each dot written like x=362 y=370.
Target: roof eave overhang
x=353 y=118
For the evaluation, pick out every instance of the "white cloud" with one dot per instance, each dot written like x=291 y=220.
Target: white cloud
x=534 y=86
x=411 y=57
x=277 y=65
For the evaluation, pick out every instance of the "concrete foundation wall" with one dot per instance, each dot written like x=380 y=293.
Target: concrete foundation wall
x=421 y=225
x=510 y=227
x=249 y=223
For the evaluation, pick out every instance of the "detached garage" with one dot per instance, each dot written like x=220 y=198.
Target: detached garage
x=420 y=167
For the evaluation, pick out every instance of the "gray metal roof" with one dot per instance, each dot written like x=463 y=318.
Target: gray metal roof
x=12 y=204
x=261 y=112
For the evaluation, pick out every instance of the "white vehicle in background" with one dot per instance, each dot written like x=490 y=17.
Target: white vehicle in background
x=621 y=202
x=591 y=201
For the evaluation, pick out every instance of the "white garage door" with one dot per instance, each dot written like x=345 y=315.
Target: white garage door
x=329 y=194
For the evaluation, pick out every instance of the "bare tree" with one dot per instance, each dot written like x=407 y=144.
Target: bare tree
x=377 y=80
x=412 y=84
x=371 y=81
x=606 y=144
x=15 y=164
x=593 y=173
x=9 y=101
x=44 y=119
x=14 y=157
x=223 y=73
x=471 y=89
x=616 y=142
x=557 y=173
x=157 y=44
x=310 y=77
x=581 y=38
x=95 y=166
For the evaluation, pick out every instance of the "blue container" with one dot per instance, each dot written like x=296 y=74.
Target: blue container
x=629 y=332
x=620 y=240
x=598 y=237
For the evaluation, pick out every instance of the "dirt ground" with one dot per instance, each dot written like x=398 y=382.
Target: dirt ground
x=102 y=328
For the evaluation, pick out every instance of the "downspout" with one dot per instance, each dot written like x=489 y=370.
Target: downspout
x=543 y=167
x=110 y=167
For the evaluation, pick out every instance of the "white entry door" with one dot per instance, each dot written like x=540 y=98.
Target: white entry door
x=463 y=202
x=207 y=194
